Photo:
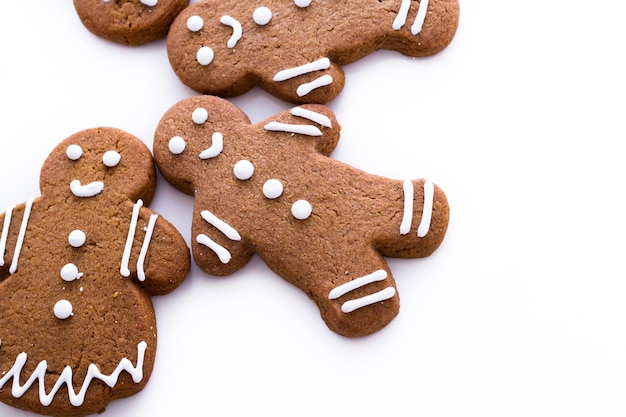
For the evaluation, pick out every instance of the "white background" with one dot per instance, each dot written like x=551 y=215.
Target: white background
x=522 y=310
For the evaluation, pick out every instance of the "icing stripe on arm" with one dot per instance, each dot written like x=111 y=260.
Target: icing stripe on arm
x=427 y=212
x=312 y=116
x=144 y=247
x=320 y=64
x=220 y=225
x=5 y=232
x=20 y=236
x=124 y=271
x=308 y=130
x=222 y=253
x=407 y=217
x=306 y=88
x=419 y=19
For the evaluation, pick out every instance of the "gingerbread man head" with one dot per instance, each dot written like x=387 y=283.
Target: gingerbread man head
x=270 y=188
x=294 y=49
x=77 y=268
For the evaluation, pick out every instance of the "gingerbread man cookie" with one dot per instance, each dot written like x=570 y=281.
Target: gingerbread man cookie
x=77 y=268
x=129 y=22
x=270 y=188
x=294 y=49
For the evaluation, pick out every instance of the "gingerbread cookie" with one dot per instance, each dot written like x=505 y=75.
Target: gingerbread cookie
x=270 y=188
x=77 y=268
x=129 y=22
x=294 y=49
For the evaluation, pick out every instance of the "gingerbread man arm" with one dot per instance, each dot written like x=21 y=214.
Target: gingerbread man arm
x=155 y=253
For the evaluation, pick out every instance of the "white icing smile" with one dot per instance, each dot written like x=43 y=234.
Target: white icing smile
x=87 y=190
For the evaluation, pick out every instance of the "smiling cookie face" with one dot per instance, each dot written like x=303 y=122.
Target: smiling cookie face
x=77 y=267
x=294 y=49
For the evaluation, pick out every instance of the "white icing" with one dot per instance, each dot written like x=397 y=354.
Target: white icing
x=205 y=55
x=5 y=232
x=195 y=23
x=243 y=170
x=66 y=377
x=141 y=275
x=177 y=145
x=111 y=158
x=379 y=275
x=312 y=116
x=63 y=309
x=69 y=272
x=220 y=225
x=306 y=88
x=124 y=271
x=217 y=146
x=88 y=190
x=20 y=236
x=237 y=30
x=301 y=209
x=77 y=238
x=74 y=152
x=407 y=217
x=222 y=253
x=400 y=19
x=309 y=130
x=320 y=64
x=272 y=188
x=200 y=115
x=427 y=212
x=350 y=306
x=302 y=3
x=418 y=23
x=262 y=16
x=150 y=3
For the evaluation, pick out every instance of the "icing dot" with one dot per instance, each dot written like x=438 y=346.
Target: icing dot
x=77 y=238
x=177 y=145
x=69 y=273
x=111 y=158
x=302 y=3
x=200 y=115
x=63 y=309
x=262 y=16
x=74 y=152
x=150 y=3
x=243 y=170
x=195 y=23
x=272 y=188
x=301 y=209
x=205 y=55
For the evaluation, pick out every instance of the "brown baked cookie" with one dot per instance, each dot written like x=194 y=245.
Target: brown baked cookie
x=129 y=22
x=77 y=268
x=270 y=188
x=294 y=49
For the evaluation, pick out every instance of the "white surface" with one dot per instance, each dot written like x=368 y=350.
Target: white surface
x=520 y=312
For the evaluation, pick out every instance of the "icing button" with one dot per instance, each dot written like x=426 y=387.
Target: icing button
x=302 y=3
x=301 y=209
x=69 y=273
x=272 y=189
x=63 y=309
x=77 y=238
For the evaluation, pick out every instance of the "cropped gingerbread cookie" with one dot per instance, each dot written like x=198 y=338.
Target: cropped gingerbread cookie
x=294 y=49
x=271 y=188
x=77 y=268
x=129 y=22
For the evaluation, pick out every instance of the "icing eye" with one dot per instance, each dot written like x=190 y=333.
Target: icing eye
x=243 y=170
x=111 y=158
x=195 y=23
x=205 y=55
x=301 y=209
x=200 y=115
x=262 y=16
x=74 y=152
x=177 y=145
x=302 y=3
x=272 y=188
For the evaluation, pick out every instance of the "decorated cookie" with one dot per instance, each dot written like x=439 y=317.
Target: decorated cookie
x=77 y=268
x=294 y=49
x=129 y=22
x=270 y=188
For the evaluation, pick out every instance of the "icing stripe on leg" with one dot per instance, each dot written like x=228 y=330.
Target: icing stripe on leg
x=427 y=213
x=350 y=306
